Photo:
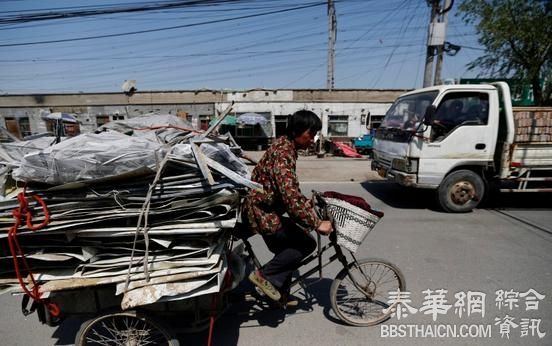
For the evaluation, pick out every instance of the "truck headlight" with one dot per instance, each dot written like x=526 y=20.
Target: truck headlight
x=399 y=164
x=405 y=165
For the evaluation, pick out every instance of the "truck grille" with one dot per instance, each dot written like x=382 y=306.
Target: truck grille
x=384 y=161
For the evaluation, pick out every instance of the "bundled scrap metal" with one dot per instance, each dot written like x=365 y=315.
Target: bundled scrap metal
x=143 y=205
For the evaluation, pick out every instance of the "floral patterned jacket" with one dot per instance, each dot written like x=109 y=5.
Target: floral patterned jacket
x=276 y=172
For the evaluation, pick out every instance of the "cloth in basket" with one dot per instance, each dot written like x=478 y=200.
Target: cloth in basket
x=352 y=222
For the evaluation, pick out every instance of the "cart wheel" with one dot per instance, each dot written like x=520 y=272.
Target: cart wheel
x=361 y=302
x=124 y=328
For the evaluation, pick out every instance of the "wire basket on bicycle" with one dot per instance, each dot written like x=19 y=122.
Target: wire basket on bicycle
x=352 y=218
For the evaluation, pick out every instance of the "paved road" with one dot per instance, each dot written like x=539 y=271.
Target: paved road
x=484 y=251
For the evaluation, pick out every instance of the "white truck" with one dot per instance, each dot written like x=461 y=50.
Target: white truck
x=462 y=139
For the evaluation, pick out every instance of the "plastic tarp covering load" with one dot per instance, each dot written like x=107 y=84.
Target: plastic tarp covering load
x=13 y=152
x=145 y=122
x=89 y=156
x=153 y=235
x=163 y=128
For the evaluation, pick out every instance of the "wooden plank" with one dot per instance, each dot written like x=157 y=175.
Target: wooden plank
x=200 y=159
x=219 y=120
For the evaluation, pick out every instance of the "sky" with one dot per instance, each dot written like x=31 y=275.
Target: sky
x=224 y=44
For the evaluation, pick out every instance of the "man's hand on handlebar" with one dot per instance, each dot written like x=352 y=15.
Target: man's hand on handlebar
x=325 y=228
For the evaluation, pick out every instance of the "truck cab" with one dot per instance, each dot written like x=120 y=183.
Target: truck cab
x=432 y=133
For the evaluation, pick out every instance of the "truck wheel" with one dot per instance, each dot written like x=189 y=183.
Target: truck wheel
x=461 y=191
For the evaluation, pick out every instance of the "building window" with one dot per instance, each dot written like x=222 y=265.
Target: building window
x=375 y=121
x=338 y=125
x=281 y=122
x=204 y=122
x=118 y=117
x=182 y=114
x=50 y=126
x=24 y=126
x=102 y=120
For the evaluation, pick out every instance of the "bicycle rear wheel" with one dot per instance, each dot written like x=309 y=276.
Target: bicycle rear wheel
x=359 y=293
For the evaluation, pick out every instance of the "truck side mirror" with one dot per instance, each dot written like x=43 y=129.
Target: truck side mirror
x=429 y=114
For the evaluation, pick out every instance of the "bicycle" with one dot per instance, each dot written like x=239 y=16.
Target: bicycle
x=359 y=291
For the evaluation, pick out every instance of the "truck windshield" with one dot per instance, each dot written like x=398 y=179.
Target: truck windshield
x=407 y=112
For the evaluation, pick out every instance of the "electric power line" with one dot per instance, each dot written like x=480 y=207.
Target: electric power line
x=162 y=29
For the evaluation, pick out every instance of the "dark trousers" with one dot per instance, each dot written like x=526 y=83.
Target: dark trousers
x=290 y=245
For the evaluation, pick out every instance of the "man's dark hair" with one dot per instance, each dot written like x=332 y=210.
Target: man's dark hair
x=301 y=121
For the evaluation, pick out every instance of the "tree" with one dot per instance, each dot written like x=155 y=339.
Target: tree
x=517 y=36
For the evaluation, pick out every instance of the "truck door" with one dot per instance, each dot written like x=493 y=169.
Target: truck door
x=460 y=133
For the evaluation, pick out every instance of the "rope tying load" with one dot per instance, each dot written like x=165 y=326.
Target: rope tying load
x=24 y=213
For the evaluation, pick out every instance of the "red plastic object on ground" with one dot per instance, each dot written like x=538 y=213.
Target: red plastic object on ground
x=347 y=150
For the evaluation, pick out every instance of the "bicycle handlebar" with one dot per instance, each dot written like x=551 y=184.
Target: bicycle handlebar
x=319 y=205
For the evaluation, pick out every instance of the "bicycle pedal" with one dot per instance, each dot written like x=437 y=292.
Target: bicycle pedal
x=259 y=291
x=250 y=298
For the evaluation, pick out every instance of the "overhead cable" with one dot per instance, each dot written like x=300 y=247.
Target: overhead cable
x=163 y=29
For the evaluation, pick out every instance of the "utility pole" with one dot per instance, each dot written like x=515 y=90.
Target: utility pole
x=430 y=53
x=441 y=48
x=332 y=34
x=436 y=40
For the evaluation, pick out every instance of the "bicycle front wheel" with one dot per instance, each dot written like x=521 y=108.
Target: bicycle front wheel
x=359 y=293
